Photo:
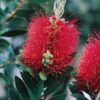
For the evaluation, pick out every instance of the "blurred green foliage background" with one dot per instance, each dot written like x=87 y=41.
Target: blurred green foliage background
x=15 y=16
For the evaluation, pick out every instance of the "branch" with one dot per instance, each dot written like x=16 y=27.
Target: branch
x=16 y=10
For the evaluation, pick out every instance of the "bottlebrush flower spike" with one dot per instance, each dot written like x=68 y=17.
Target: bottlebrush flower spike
x=51 y=44
x=89 y=65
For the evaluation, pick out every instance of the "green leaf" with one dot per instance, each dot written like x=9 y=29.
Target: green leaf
x=73 y=73
x=13 y=95
x=38 y=1
x=31 y=84
x=11 y=5
x=4 y=52
x=34 y=86
x=59 y=97
x=3 y=76
x=4 y=43
x=79 y=96
x=16 y=26
x=18 y=23
x=52 y=84
x=1 y=14
x=26 y=13
x=7 y=74
x=73 y=86
x=21 y=89
x=48 y=6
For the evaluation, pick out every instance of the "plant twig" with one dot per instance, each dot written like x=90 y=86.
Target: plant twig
x=16 y=10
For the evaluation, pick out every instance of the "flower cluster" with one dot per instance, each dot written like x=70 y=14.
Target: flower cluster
x=51 y=44
x=89 y=66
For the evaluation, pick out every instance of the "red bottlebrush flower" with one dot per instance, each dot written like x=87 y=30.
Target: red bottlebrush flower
x=89 y=66
x=51 y=44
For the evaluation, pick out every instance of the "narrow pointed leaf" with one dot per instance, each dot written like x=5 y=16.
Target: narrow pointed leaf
x=21 y=88
x=30 y=83
x=13 y=95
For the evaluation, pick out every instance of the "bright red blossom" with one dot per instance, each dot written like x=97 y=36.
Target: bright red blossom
x=89 y=66
x=57 y=37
